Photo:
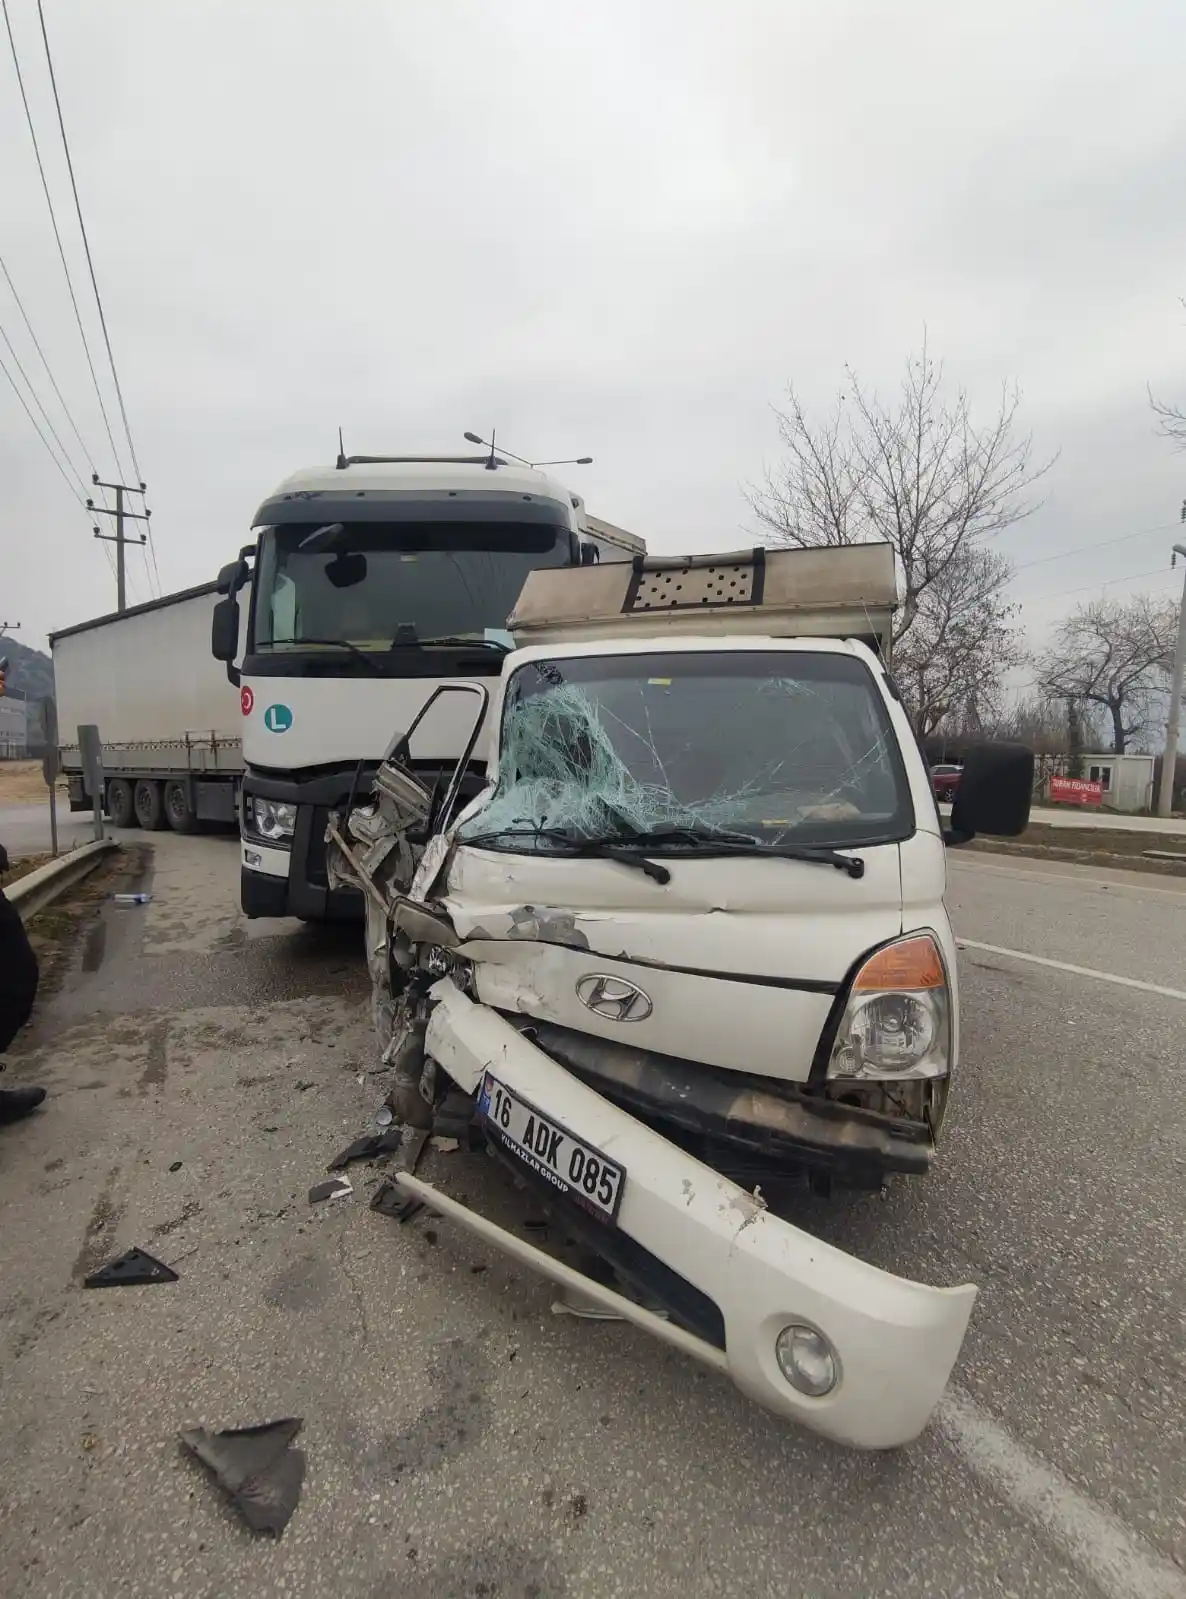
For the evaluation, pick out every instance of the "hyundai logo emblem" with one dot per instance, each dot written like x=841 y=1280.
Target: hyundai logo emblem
x=613 y=998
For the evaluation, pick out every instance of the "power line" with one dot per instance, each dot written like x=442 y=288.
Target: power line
x=1131 y=577
x=86 y=244
x=20 y=305
x=57 y=233
x=52 y=453
x=52 y=456
x=45 y=416
x=1077 y=549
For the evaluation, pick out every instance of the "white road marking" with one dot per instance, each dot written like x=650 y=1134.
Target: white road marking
x=1070 y=878
x=1076 y=971
x=1119 y=1561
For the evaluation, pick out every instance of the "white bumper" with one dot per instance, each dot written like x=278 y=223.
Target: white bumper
x=897 y=1341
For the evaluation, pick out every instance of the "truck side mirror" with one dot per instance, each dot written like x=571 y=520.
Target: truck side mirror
x=224 y=635
x=994 y=793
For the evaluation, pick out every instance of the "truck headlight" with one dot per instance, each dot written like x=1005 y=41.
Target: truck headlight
x=897 y=1022
x=271 y=819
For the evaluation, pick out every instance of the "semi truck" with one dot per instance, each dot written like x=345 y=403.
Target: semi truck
x=268 y=696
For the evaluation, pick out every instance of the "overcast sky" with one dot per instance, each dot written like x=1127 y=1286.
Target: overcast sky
x=605 y=228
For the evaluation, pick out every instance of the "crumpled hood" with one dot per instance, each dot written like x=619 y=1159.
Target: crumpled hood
x=735 y=962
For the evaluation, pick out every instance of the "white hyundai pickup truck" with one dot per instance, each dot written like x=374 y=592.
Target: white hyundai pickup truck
x=687 y=952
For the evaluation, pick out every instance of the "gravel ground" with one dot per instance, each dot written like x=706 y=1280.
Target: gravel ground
x=464 y=1440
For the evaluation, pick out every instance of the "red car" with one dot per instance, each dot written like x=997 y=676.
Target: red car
x=944 y=782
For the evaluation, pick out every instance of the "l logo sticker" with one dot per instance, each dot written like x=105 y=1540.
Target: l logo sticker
x=277 y=718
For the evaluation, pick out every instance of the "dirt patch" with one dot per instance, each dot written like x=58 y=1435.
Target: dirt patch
x=22 y=868
x=55 y=931
x=21 y=783
x=1094 y=846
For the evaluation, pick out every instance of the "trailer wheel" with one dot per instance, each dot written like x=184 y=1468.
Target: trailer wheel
x=120 y=808
x=150 y=811
x=181 y=818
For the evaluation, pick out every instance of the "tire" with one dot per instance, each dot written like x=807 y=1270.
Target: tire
x=120 y=806
x=150 y=810
x=177 y=812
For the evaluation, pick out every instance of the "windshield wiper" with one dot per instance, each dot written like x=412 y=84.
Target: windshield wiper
x=469 y=643
x=706 y=838
x=610 y=848
x=334 y=643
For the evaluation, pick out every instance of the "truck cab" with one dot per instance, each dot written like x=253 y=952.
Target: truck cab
x=369 y=584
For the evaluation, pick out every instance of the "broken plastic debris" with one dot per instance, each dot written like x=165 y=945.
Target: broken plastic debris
x=574 y=1304
x=256 y=1468
x=130 y=899
x=383 y=1116
x=368 y=1147
x=446 y=1146
x=130 y=1269
x=388 y=1201
x=335 y=1188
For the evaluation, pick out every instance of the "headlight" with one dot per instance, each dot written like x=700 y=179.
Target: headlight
x=270 y=819
x=897 y=1022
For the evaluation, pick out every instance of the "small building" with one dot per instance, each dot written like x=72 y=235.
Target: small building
x=1126 y=780
x=14 y=730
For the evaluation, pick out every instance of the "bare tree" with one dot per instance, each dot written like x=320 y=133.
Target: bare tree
x=1171 y=419
x=1115 y=656
x=922 y=474
x=1039 y=722
x=951 y=662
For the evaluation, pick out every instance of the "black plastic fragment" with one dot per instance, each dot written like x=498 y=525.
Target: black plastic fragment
x=256 y=1468
x=367 y=1147
x=330 y=1190
x=389 y=1201
x=130 y=1269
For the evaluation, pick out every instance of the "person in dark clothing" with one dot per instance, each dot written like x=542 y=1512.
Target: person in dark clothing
x=18 y=989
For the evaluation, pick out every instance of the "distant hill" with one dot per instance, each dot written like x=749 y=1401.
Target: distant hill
x=32 y=673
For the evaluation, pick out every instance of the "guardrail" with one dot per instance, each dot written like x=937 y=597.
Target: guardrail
x=38 y=889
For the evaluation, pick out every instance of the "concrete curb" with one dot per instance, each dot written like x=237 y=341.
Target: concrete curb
x=40 y=888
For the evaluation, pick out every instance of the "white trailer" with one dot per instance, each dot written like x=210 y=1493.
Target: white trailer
x=169 y=721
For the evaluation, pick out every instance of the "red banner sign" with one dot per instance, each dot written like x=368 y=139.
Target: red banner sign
x=1076 y=791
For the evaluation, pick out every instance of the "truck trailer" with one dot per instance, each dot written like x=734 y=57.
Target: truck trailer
x=169 y=720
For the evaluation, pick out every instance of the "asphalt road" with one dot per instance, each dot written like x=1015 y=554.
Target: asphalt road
x=464 y=1440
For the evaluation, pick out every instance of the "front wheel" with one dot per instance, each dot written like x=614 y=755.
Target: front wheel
x=177 y=808
x=120 y=808
x=150 y=810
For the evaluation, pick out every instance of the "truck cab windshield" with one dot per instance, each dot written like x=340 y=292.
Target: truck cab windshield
x=664 y=750
x=394 y=588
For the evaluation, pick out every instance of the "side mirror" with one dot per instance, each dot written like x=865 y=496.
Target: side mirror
x=994 y=793
x=224 y=635
x=232 y=577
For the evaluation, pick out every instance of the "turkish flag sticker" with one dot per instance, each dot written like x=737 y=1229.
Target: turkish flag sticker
x=246 y=700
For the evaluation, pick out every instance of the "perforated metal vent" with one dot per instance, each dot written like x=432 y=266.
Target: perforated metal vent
x=684 y=587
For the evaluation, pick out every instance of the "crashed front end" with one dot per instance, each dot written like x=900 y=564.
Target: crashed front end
x=637 y=1052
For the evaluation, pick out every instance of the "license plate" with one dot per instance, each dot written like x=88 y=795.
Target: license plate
x=567 y=1162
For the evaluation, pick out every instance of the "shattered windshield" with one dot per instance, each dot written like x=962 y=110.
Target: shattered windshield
x=780 y=746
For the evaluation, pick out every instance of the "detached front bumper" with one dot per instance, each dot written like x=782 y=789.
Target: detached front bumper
x=896 y=1341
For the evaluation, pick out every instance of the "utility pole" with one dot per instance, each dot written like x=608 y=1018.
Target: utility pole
x=1169 y=759
x=9 y=627
x=119 y=538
